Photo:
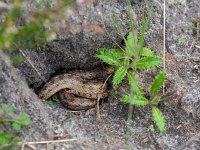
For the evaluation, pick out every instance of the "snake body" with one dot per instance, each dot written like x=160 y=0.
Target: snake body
x=77 y=89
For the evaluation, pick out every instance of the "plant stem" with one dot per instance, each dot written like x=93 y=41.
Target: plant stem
x=132 y=25
x=145 y=23
x=129 y=121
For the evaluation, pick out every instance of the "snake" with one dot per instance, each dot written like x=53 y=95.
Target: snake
x=78 y=89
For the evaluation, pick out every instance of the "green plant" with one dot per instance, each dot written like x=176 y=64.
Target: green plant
x=54 y=100
x=134 y=56
x=9 y=119
x=151 y=128
x=181 y=40
x=22 y=28
x=138 y=99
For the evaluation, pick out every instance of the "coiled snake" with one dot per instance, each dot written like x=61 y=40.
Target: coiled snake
x=78 y=90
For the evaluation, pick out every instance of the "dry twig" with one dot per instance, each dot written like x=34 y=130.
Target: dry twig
x=99 y=97
x=30 y=62
x=46 y=142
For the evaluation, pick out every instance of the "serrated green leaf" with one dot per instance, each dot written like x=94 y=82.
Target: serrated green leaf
x=131 y=44
x=147 y=52
x=136 y=100
x=116 y=53
x=126 y=99
x=155 y=100
x=9 y=109
x=108 y=59
x=119 y=75
x=126 y=62
x=147 y=62
x=24 y=119
x=157 y=83
x=16 y=126
x=139 y=100
x=12 y=144
x=159 y=119
x=111 y=56
x=4 y=138
x=135 y=88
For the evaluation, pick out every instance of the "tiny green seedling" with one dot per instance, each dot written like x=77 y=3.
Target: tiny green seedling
x=17 y=59
x=151 y=128
x=8 y=117
x=134 y=56
x=54 y=100
x=181 y=40
x=115 y=92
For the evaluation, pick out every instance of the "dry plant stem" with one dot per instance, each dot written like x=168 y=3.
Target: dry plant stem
x=194 y=138
x=198 y=25
x=191 y=46
x=47 y=142
x=197 y=46
x=164 y=47
x=22 y=147
x=129 y=122
x=32 y=147
x=30 y=62
x=99 y=97
x=74 y=111
x=97 y=109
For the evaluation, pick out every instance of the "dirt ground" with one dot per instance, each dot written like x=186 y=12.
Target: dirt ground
x=79 y=45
